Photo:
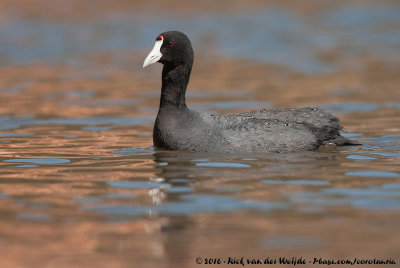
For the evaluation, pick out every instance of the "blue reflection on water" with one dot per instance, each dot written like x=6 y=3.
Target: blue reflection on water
x=297 y=182
x=92 y=128
x=374 y=198
x=34 y=216
x=372 y=173
x=190 y=204
x=221 y=164
x=27 y=166
x=267 y=35
x=38 y=160
x=2 y=195
x=15 y=134
x=179 y=189
x=137 y=184
x=360 y=157
x=344 y=108
x=121 y=196
x=120 y=121
x=386 y=146
x=135 y=151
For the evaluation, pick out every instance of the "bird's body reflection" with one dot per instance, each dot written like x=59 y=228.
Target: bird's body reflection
x=187 y=170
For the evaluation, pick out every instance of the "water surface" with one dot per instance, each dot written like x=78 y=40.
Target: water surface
x=81 y=184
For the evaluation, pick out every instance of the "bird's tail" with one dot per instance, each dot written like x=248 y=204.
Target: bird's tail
x=340 y=141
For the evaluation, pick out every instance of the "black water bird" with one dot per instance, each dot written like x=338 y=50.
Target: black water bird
x=179 y=128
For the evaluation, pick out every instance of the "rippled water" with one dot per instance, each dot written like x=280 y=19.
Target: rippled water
x=81 y=184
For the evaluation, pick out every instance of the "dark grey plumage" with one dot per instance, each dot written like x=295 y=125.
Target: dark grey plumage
x=281 y=130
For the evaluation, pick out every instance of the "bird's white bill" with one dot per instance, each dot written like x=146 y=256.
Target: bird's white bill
x=155 y=55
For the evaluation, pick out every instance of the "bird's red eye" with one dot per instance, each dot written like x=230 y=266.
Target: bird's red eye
x=170 y=44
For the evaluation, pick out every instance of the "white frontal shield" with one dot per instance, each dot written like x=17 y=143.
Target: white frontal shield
x=155 y=55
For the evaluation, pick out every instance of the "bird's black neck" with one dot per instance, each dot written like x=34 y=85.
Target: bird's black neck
x=174 y=83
